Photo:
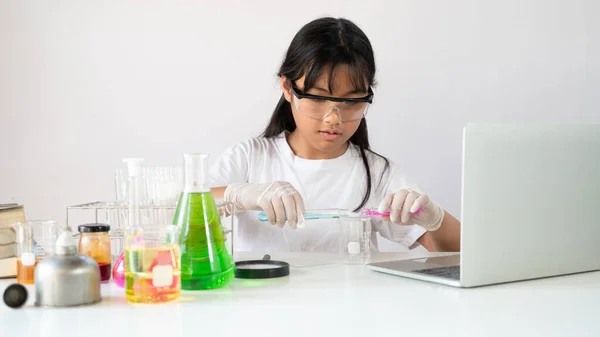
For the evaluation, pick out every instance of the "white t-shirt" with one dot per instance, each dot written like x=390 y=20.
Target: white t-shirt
x=338 y=183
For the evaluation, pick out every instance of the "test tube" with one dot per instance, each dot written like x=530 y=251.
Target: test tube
x=134 y=170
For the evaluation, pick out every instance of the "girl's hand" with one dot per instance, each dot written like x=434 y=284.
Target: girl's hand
x=279 y=200
x=408 y=207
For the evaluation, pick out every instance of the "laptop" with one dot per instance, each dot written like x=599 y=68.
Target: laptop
x=530 y=207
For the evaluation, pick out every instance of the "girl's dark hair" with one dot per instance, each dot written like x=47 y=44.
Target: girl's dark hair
x=321 y=43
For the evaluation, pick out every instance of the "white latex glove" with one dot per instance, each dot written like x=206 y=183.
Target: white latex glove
x=279 y=200
x=404 y=207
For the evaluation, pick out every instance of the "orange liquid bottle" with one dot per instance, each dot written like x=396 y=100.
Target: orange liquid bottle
x=26 y=268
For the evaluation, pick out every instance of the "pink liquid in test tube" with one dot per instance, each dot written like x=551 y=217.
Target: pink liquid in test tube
x=375 y=213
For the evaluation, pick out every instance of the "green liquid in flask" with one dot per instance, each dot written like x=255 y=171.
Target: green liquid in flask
x=205 y=261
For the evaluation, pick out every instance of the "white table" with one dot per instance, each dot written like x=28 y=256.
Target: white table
x=331 y=300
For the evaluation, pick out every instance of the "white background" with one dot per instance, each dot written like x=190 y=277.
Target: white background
x=84 y=83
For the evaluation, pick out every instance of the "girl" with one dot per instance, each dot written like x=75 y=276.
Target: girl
x=315 y=154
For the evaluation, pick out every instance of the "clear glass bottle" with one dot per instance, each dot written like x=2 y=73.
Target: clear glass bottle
x=205 y=261
x=95 y=243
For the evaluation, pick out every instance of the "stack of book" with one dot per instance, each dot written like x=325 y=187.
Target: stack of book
x=9 y=214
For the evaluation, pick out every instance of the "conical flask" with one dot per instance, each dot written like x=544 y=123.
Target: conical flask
x=205 y=261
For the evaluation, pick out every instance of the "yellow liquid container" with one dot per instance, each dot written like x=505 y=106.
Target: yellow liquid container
x=152 y=265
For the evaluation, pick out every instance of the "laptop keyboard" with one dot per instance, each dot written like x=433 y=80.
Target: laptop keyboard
x=452 y=272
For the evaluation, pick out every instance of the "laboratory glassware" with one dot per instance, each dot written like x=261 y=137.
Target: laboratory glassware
x=205 y=260
x=35 y=241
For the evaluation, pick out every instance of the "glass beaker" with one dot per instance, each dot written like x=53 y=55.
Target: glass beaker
x=205 y=261
x=355 y=238
x=152 y=264
x=35 y=241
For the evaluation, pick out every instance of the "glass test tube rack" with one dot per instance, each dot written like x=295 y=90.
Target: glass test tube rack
x=115 y=214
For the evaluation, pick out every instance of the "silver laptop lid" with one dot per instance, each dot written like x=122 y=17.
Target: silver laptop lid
x=530 y=199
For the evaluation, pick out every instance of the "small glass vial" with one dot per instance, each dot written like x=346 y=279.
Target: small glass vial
x=95 y=243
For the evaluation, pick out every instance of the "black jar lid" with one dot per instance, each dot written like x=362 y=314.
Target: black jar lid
x=93 y=228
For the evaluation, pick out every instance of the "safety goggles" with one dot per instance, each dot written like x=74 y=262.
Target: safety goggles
x=319 y=107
